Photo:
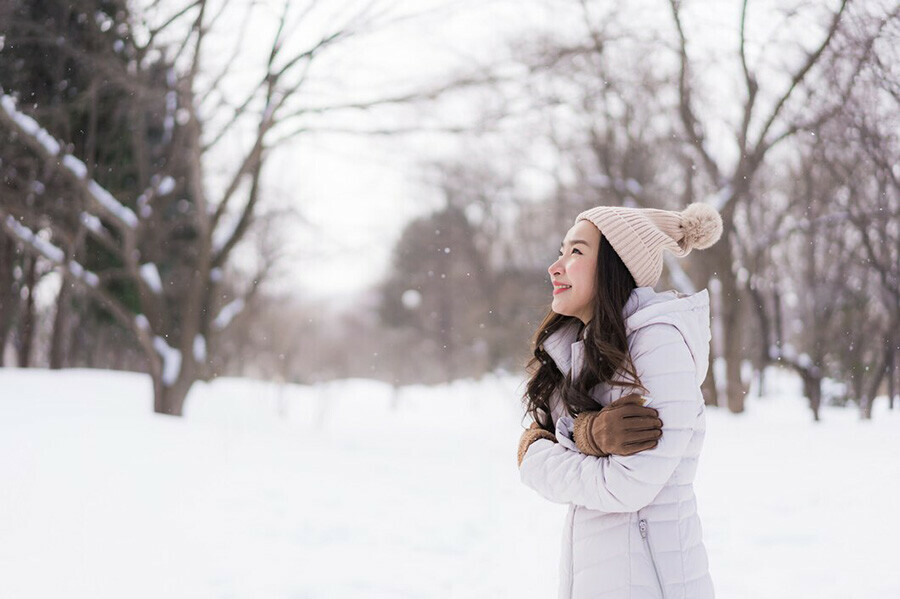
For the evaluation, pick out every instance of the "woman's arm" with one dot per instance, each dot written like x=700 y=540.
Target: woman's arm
x=627 y=483
x=532 y=434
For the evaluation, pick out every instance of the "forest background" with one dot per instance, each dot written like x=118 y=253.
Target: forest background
x=309 y=191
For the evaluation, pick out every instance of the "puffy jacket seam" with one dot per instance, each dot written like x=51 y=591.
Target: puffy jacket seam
x=680 y=342
x=673 y=340
x=671 y=372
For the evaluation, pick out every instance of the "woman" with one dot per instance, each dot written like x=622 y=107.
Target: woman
x=626 y=471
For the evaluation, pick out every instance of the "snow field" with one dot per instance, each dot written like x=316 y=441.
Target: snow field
x=354 y=490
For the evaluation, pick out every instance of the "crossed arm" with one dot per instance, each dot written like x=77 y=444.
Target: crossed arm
x=626 y=483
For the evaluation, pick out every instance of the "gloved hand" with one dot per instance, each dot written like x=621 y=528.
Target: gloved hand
x=532 y=434
x=624 y=427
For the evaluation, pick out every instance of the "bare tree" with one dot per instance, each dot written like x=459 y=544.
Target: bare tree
x=823 y=249
x=181 y=309
x=618 y=98
x=863 y=158
x=789 y=242
x=763 y=127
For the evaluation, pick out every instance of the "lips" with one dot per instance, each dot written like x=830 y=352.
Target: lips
x=560 y=289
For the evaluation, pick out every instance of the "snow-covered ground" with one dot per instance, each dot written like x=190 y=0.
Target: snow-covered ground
x=348 y=490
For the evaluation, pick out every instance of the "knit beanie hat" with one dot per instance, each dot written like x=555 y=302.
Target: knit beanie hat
x=639 y=235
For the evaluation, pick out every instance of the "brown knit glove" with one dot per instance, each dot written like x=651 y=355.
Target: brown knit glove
x=532 y=434
x=624 y=427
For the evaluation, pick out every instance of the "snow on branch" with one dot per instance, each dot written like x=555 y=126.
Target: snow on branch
x=92 y=223
x=37 y=245
x=75 y=166
x=111 y=204
x=227 y=314
x=142 y=323
x=199 y=348
x=50 y=149
x=150 y=276
x=722 y=196
x=166 y=186
x=788 y=354
x=171 y=360
x=49 y=251
x=29 y=126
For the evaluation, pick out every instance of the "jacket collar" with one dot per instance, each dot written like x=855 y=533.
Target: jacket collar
x=688 y=313
x=562 y=343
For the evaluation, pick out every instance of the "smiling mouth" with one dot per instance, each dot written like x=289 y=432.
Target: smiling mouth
x=560 y=289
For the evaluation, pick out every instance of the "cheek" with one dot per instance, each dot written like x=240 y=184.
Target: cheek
x=584 y=273
x=586 y=282
x=585 y=294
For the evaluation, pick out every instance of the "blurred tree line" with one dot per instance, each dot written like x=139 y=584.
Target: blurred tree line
x=794 y=138
x=802 y=162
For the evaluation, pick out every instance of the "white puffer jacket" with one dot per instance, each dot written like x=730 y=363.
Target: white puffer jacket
x=632 y=530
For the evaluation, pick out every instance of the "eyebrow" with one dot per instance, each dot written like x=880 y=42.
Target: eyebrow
x=574 y=242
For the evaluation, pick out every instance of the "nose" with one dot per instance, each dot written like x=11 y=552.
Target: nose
x=554 y=268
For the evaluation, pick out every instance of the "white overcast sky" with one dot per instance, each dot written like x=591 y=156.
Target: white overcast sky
x=360 y=191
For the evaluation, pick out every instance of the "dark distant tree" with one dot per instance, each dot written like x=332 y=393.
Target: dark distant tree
x=69 y=62
x=437 y=286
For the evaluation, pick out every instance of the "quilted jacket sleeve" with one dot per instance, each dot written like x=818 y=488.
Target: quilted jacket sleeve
x=627 y=483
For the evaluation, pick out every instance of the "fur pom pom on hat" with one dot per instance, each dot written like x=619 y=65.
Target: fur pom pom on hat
x=639 y=235
x=702 y=226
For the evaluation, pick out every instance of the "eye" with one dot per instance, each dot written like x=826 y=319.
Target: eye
x=574 y=250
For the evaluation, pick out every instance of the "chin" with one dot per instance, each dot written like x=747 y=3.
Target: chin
x=561 y=310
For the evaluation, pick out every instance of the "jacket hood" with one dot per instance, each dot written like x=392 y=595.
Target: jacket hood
x=645 y=307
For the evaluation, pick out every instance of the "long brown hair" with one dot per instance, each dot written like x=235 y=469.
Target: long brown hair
x=605 y=346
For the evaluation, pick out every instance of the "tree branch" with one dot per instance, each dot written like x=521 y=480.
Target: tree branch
x=689 y=120
x=72 y=169
x=800 y=75
x=88 y=280
x=750 y=80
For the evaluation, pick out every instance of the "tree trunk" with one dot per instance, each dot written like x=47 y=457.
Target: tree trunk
x=9 y=296
x=27 y=329
x=812 y=388
x=446 y=345
x=732 y=325
x=892 y=377
x=728 y=310
x=170 y=400
x=84 y=343
x=707 y=276
x=870 y=391
x=57 y=339
x=708 y=389
x=765 y=333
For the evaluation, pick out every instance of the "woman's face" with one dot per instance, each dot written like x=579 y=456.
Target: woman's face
x=576 y=267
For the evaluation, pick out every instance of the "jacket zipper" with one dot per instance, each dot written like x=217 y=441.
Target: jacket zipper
x=572 y=550
x=642 y=524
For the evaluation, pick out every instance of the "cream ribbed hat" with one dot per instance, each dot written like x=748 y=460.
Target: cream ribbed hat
x=639 y=235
